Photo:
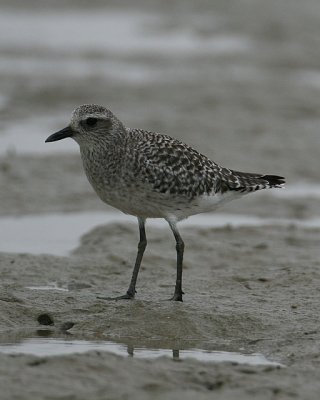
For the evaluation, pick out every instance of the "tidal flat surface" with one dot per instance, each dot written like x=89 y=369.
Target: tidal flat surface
x=239 y=81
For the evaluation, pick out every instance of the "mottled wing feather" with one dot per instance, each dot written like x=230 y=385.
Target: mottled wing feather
x=246 y=182
x=249 y=182
x=171 y=166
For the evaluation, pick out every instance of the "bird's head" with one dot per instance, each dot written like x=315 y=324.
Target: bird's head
x=89 y=123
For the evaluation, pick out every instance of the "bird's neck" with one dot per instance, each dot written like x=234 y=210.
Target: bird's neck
x=102 y=160
x=101 y=151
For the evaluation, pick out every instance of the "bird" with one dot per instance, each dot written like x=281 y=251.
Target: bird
x=153 y=175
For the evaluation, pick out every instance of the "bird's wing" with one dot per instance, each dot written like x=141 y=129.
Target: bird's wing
x=170 y=166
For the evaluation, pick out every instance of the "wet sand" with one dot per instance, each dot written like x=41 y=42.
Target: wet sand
x=239 y=81
x=249 y=290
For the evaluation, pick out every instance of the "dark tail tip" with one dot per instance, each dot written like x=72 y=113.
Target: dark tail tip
x=274 y=180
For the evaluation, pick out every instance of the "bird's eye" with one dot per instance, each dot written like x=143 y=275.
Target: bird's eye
x=91 y=121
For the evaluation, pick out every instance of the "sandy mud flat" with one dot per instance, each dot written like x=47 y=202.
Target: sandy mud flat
x=248 y=290
x=240 y=82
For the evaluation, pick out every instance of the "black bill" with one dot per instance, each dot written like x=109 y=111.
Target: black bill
x=64 y=133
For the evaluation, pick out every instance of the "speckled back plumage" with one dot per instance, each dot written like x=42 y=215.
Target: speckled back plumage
x=171 y=166
x=153 y=175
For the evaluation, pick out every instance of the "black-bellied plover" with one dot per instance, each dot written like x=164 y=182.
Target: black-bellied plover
x=150 y=175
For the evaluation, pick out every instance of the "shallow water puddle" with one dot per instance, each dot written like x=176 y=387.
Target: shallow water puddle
x=136 y=32
x=58 y=234
x=50 y=286
x=52 y=347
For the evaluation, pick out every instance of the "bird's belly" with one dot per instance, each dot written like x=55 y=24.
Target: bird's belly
x=136 y=203
x=150 y=204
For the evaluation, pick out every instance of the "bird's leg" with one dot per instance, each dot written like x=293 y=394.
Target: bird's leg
x=141 y=248
x=177 y=296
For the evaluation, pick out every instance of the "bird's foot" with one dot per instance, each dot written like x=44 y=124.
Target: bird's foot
x=127 y=296
x=177 y=296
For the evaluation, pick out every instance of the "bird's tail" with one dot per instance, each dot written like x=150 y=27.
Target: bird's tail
x=246 y=182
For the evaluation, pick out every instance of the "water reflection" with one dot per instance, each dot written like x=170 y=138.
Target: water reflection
x=46 y=345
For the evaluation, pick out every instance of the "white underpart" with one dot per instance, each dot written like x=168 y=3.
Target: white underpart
x=204 y=203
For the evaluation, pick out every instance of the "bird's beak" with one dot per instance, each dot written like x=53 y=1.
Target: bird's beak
x=64 y=133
